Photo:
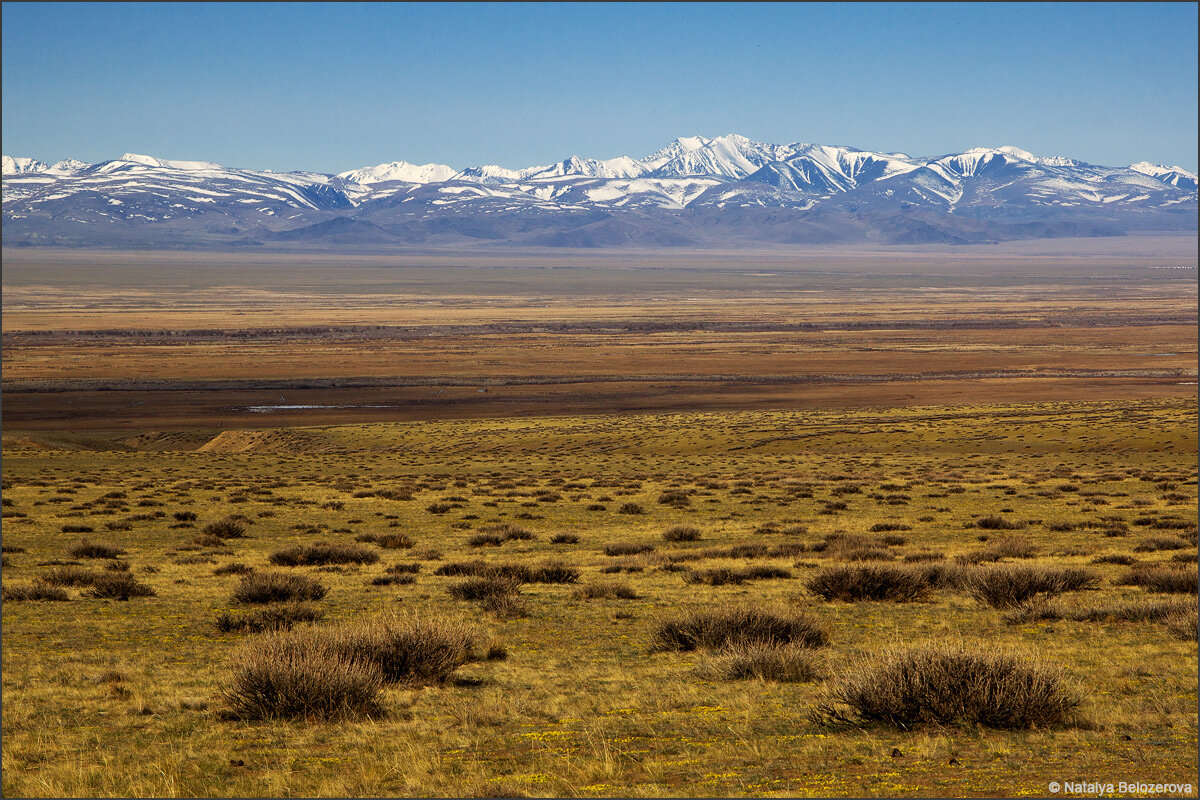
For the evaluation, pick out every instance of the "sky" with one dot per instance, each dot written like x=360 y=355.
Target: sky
x=333 y=87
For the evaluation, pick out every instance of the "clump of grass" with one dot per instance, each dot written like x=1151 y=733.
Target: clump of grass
x=395 y=541
x=868 y=582
x=626 y=548
x=392 y=580
x=1041 y=609
x=676 y=498
x=866 y=554
x=277 y=587
x=887 y=527
x=286 y=676
x=485 y=540
x=1160 y=578
x=410 y=568
x=1156 y=543
x=86 y=549
x=34 y=591
x=1182 y=625
x=944 y=684
x=226 y=528
x=118 y=586
x=69 y=576
x=923 y=556
x=630 y=508
x=564 y=538
x=273 y=618
x=681 y=533
x=554 y=572
x=996 y=523
x=1008 y=547
x=323 y=553
x=1123 y=559
x=233 y=569
x=1010 y=585
x=484 y=588
x=605 y=590
x=77 y=529
x=717 y=628
x=766 y=661
x=721 y=576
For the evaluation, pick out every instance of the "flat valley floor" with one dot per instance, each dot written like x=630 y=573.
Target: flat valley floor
x=1026 y=405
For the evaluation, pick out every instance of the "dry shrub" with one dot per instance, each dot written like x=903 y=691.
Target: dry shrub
x=227 y=528
x=1041 y=609
x=69 y=576
x=277 y=587
x=564 y=538
x=865 y=554
x=681 y=533
x=485 y=540
x=1010 y=585
x=554 y=572
x=1176 y=579
x=284 y=675
x=118 y=586
x=767 y=661
x=721 y=576
x=995 y=523
x=605 y=590
x=943 y=684
x=86 y=549
x=1155 y=543
x=392 y=580
x=852 y=584
x=676 y=498
x=630 y=508
x=1115 y=558
x=1183 y=624
x=273 y=618
x=395 y=569
x=718 y=628
x=925 y=555
x=626 y=548
x=323 y=553
x=1008 y=547
x=507 y=532
x=233 y=569
x=483 y=588
x=887 y=527
x=411 y=650
x=34 y=591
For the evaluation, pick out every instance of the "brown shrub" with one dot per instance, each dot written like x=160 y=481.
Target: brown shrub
x=712 y=629
x=273 y=618
x=1183 y=624
x=1155 y=543
x=227 y=528
x=853 y=584
x=277 y=587
x=34 y=591
x=69 y=576
x=681 y=533
x=564 y=538
x=626 y=548
x=323 y=553
x=942 y=684
x=1160 y=578
x=1010 y=585
x=995 y=523
x=118 y=586
x=767 y=661
x=86 y=549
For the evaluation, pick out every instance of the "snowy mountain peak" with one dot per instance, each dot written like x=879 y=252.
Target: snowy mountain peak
x=151 y=161
x=1158 y=170
x=19 y=165
x=400 y=171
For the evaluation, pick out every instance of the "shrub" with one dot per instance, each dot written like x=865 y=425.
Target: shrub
x=69 y=576
x=287 y=676
x=676 y=498
x=395 y=541
x=1041 y=609
x=34 y=591
x=485 y=540
x=233 y=569
x=887 y=527
x=118 y=586
x=1155 y=578
x=944 y=684
x=852 y=584
x=714 y=629
x=1115 y=558
x=626 y=548
x=392 y=580
x=1155 y=543
x=272 y=618
x=185 y=516
x=86 y=549
x=1182 y=625
x=994 y=523
x=411 y=568
x=721 y=576
x=866 y=554
x=1008 y=547
x=412 y=650
x=554 y=572
x=483 y=588
x=77 y=529
x=681 y=533
x=277 y=587
x=323 y=553
x=564 y=538
x=605 y=590
x=1010 y=585
x=227 y=528
x=767 y=661
x=926 y=555
x=630 y=508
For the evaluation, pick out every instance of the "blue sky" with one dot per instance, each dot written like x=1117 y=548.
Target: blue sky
x=334 y=87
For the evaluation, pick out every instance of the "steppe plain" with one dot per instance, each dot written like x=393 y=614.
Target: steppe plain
x=1019 y=405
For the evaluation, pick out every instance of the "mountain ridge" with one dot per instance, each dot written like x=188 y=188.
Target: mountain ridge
x=682 y=194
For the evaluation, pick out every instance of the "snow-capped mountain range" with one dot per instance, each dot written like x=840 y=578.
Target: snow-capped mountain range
x=695 y=190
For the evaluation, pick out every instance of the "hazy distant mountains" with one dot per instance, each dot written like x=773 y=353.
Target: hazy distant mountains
x=722 y=192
